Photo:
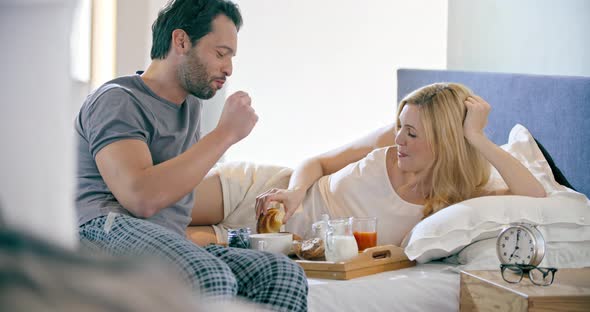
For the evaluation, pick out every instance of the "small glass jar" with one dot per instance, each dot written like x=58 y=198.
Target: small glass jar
x=319 y=228
x=238 y=238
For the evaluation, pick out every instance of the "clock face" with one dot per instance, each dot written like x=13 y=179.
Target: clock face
x=516 y=245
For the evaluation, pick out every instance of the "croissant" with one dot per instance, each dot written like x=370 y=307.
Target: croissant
x=271 y=221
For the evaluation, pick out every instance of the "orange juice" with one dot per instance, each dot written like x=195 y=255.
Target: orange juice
x=365 y=239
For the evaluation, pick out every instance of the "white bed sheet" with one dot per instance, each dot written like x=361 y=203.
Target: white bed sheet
x=431 y=286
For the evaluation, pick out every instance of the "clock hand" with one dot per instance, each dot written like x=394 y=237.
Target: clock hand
x=513 y=254
x=515 y=248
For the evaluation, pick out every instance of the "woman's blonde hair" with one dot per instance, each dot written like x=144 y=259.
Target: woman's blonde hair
x=459 y=171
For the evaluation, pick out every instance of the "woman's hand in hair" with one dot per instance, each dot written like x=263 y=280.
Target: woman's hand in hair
x=519 y=179
x=477 y=118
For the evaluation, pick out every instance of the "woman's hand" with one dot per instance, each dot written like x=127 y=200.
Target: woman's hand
x=519 y=179
x=477 y=117
x=290 y=198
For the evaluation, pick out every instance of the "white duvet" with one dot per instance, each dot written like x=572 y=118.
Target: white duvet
x=426 y=287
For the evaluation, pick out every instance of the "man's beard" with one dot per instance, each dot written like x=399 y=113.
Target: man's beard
x=194 y=78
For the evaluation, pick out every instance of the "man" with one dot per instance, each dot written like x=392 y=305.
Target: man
x=140 y=156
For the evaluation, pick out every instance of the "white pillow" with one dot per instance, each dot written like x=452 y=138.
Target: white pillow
x=482 y=255
x=563 y=216
x=522 y=146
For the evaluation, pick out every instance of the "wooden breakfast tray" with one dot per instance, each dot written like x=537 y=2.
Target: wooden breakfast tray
x=370 y=261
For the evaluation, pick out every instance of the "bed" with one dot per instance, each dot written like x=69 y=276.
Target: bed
x=542 y=120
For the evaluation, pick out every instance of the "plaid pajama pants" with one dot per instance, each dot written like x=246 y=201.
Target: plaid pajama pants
x=216 y=272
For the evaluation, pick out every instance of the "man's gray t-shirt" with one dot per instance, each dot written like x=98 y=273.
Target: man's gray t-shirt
x=125 y=108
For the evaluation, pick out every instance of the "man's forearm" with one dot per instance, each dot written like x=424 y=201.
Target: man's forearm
x=160 y=186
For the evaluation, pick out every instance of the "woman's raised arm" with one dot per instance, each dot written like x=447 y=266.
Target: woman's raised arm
x=314 y=168
x=519 y=179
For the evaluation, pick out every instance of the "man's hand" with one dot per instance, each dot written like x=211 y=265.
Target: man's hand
x=238 y=117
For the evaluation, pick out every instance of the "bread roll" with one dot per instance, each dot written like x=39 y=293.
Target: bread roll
x=270 y=222
x=311 y=249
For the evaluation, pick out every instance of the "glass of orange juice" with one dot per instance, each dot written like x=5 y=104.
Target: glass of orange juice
x=365 y=231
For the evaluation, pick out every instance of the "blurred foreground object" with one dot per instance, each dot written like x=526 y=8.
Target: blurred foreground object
x=38 y=276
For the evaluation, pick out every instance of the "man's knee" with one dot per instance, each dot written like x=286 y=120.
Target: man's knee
x=282 y=269
x=285 y=264
x=212 y=277
x=285 y=283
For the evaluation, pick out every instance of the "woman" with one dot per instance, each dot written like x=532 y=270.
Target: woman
x=435 y=155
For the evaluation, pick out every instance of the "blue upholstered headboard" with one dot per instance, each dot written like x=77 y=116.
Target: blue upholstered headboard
x=555 y=109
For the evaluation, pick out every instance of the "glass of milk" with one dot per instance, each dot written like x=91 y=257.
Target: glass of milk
x=340 y=244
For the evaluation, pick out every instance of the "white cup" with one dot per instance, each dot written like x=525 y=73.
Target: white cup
x=272 y=242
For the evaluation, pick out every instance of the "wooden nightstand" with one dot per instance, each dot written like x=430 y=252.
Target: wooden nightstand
x=487 y=291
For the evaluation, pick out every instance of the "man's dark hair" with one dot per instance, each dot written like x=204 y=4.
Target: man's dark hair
x=192 y=16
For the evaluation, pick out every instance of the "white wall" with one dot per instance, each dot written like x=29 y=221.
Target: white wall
x=133 y=46
x=322 y=73
x=37 y=108
x=526 y=36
